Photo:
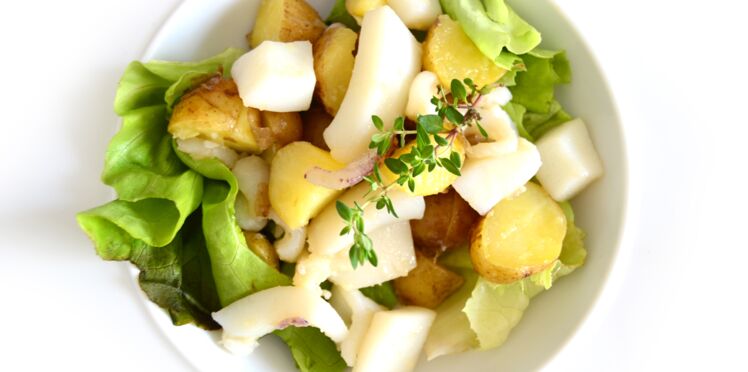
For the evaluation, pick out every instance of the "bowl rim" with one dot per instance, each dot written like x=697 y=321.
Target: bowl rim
x=603 y=299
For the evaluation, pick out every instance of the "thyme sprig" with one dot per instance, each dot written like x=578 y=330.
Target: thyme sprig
x=435 y=135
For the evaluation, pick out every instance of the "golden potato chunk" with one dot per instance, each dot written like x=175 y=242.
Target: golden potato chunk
x=428 y=285
x=450 y=54
x=215 y=112
x=281 y=127
x=258 y=244
x=277 y=130
x=292 y=197
x=285 y=20
x=520 y=236
x=446 y=224
x=333 y=65
x=428 y=183
x=316 y=120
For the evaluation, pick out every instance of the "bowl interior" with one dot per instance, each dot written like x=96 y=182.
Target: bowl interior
x=199 y=29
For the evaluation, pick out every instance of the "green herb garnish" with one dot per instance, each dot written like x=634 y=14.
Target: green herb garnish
x=435 y=136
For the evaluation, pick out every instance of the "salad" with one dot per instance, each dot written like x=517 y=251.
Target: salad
x=391 y=181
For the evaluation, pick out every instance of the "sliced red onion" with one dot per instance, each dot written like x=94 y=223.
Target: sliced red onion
x=295 y=321
x=341 y=179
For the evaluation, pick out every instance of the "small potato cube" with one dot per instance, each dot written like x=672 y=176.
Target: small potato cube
x=285 y=20
x=292 y=197
x=570 y=161
x=427 y=183
x=333 y=65
x=276 y=76
x=428 y=285
x=283 y=127
x=316 y=120
x=446 y=223
x=214 y=112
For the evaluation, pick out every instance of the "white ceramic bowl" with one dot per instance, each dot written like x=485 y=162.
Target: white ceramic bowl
x=199 y=29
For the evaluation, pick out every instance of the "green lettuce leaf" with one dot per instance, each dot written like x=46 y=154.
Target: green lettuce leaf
x=156 y=192
x=516 y=112
x=534 y=108
x=340 y=14
x=163 y=82
x=312 y=350
x=534 y=86
x=494 y=28
x=383 y=294
x=537 y=124
x=509 y=79
x=493 y=310
x=179 y=278
x=573 y=252
x=238 y=272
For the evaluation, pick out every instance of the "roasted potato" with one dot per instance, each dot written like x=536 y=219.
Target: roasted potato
x=214 y=111
x=333 y=65
x=262 y=248
x=428 y=183
x=428 y=285
x=292 y=197
x=278 y=129
x=520 y=236
x=450 y=54
x=282 y=127
x=285 y=20
x=316 y=120
x=446 y=223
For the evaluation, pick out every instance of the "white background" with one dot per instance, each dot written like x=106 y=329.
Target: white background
x=677 y=68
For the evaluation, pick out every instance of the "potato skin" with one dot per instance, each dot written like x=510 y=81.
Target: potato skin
x=283 y=127
x=526 y=235
x=495 y=274
x=315 y=121
x=285 y=20
x=428 y=285
x=446 y=223
x=214 y=111
x=333 y=65
x=258 y=244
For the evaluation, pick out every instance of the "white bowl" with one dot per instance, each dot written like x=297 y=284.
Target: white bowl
x=199 y=29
